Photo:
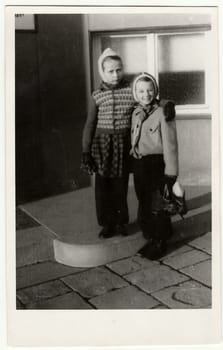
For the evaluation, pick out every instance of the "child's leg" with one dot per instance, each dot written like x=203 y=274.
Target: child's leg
x=142 y=183
x=162 y=227
x=157 y=242
x=148 y=177
x=155 y=225
x=119 y=199
x=111 y=205
x=103 y=198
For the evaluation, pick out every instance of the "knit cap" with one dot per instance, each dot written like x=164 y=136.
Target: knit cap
x=106 y=53
x=138 y=77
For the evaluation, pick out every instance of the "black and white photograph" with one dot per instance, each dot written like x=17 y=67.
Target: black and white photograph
x=115 y=201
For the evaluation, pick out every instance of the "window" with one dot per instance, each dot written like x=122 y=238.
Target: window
x=177 y=60
x=132 y=49
x=181 y=68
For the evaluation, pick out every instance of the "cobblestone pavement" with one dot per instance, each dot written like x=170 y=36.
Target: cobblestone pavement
x=179 y=280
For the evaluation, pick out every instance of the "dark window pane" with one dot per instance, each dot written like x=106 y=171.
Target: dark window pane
x=181 y=67
x=183 y=87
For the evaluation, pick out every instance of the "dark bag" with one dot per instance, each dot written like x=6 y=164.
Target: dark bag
x=174 y=202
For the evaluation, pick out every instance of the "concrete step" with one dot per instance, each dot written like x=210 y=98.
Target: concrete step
x=70 y=219
x=196 y=223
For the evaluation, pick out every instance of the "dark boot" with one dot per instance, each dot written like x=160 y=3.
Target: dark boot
x=121 y=230
x=157 y=233
x=154 y=249
x=107 y=232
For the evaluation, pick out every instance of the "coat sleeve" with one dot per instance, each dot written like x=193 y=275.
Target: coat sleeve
x=90 y=126
x=170 y=146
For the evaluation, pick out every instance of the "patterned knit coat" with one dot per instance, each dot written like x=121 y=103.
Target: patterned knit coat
x=110 y=142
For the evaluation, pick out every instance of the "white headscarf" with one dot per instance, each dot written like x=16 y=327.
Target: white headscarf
x=141 y=75
x=106 y=53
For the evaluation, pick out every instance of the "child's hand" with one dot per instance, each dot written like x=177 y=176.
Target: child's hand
x=170 y=181
x=168 y=109
x=87 y=164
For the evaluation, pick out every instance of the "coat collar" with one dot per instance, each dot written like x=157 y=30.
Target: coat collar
x=105 y=86
x=148 y=109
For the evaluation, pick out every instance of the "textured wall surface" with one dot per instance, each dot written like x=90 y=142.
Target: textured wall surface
x=194 y=139
x=108 y=21
x=50 y=105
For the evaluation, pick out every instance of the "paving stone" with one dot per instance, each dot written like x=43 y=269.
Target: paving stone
x=42 y=272
x=32 y=235
x=186 y=259
x=144 y=262
x=67 y=301
x=124 y=298
x=155 y=278
x=124 y=266
x=200 y=272
x=135 y=263
x=176 y=251
x=203 y=243
x=94 y=282
x=42 y=291
x=186 y=295
x=35 y=253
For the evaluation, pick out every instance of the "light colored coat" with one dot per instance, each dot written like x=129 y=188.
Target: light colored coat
x=155 y=136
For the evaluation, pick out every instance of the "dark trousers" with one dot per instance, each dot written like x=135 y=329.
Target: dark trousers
x=111 y=200
x=148 y=181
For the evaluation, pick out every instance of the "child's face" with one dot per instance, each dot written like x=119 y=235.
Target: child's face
x=145 y=92
x=113 y=71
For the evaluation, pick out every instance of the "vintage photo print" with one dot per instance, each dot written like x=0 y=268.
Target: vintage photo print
x=112 y=141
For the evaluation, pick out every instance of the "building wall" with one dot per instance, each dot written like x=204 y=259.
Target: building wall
x=194 y=139
x=52 y=87
x=50 y=106
x=105 y=22
x=194 y=131
x=29 y=159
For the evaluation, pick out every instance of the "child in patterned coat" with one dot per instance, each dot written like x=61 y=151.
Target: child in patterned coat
x=106 y=143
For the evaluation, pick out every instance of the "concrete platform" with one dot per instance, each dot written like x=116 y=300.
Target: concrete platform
x=72 y=216
x=71 y=220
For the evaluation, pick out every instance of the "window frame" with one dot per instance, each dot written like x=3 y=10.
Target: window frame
x=186 y=110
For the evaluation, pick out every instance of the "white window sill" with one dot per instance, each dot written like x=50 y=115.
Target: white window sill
x=193 y=112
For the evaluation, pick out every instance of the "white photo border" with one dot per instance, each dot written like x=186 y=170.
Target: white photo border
x=114 y=327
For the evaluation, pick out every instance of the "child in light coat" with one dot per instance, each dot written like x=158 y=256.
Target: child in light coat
x=155 y=162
